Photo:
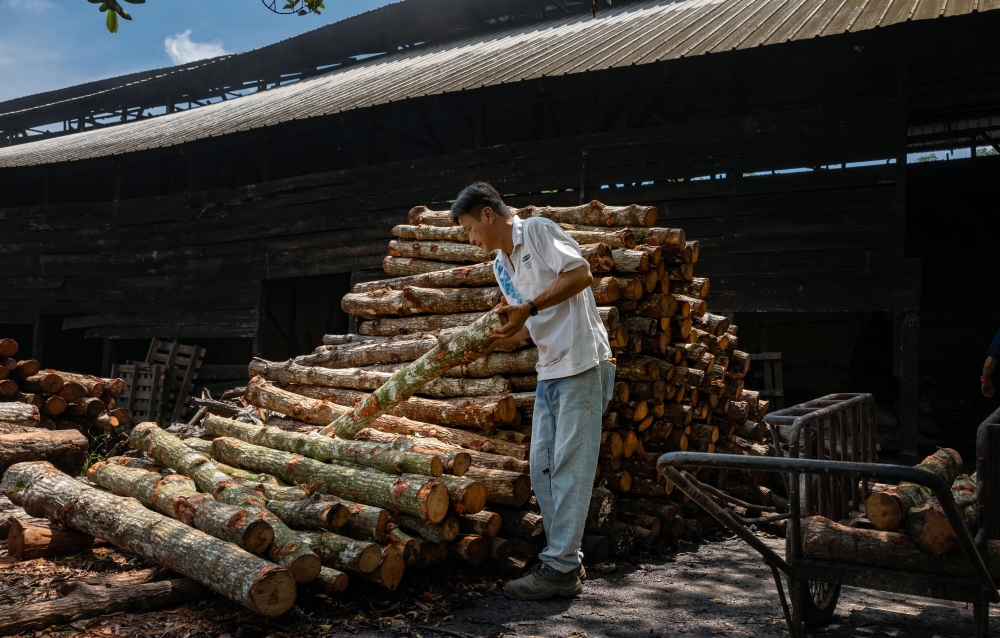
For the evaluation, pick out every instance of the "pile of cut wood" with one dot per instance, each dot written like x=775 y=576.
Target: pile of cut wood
x=679 y=383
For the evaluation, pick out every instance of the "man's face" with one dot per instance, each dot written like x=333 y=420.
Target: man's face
x=482 y=231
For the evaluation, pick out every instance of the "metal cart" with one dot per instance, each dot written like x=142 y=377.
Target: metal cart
x=831 y=454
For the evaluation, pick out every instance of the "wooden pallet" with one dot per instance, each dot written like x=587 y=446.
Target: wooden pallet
x=182 y=364
x=143 y=388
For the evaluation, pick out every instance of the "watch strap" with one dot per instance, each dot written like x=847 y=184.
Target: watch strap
x=532 y=308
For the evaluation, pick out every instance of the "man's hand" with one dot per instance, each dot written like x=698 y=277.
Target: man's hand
x=987 y=389
x=472 y=355
x=516 y=316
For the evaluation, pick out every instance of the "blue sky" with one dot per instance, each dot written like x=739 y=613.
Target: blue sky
x=49 y=44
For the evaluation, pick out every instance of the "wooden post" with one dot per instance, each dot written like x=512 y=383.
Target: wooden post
x=909 y=340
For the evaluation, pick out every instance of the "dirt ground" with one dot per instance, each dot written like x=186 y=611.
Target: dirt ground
x=718 y=588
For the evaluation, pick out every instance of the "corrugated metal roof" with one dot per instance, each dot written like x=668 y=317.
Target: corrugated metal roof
x=639 y=33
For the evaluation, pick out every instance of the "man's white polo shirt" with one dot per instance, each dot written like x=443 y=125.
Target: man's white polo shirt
x=570 y=336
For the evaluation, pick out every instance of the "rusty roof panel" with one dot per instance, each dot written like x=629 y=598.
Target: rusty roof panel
x=637 y=33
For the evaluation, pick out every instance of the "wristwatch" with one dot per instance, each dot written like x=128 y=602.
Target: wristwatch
x=982 y=380
x=532 y=308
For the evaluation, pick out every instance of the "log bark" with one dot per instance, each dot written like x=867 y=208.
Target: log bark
x=431 y=233
x=16 y=413
x=343 y=553
x=177 y=496
x=390 y=326
x=446 y=354
x=82 y=600
x=500 y=548
x=484 y=523
x=379 y=456
x=407 y=266
x=420 y=301
x=482 y=413
x=595 y=213
x=606 y=290
x=402 y=349
x=502 y=487
x=316 y=512
x=92 y=386
x=65 y=449
x=223 y=567
x=622 y=538
x=42 y=539
x=467 y=496
x=260 y=394
x=612 y=237
x=887 y=510
x=449 y=251
x=170 y=451
x=602 y=511
x=8 y=348
x=389 y=572
x=712 y=324
x=8 y=388
x=456 y=459
x=599 y=256
x=519 y=523
x=43 y=381
x=443 y=532
x=333 y=580
x=471 y=548
x=406 y=546
x=698 y=287
x=671 y=239
x=928 y=527
x=409 y=493
x=630 y=260
x=461 y=277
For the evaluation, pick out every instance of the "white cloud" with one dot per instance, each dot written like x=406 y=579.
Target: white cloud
x=182 y=50
x=37 y=6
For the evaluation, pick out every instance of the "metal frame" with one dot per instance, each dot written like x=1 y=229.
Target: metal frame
x=833 y=434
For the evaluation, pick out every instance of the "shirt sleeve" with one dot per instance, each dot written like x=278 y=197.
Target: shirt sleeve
x=557 y=249
x=994 y=351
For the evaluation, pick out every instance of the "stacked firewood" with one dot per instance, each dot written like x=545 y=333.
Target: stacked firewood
x=679 y=383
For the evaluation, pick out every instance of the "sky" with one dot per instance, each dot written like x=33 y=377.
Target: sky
x=51 y=44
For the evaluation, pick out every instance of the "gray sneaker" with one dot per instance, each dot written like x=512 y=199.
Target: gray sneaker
x=543 y=582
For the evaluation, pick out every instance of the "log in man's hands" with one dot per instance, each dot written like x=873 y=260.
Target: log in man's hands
x=472 y=355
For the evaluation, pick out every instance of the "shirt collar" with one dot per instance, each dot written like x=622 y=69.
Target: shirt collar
x=516 y=231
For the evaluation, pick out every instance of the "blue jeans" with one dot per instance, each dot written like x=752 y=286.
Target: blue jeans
x=565 y=441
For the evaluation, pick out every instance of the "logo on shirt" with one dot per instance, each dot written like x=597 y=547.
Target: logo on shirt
x=526 y=257
x=506 y=282
x=525 y=261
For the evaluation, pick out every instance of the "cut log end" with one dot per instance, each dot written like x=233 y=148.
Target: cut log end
x=460 y=463
x=438 y=501
x=274 y=593
x=473 y=499
x=884 y=512
x=257 y=536
x=370 y=559
x=304 y=568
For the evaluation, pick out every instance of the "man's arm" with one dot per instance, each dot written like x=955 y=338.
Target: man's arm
x=567 y=285
x=987 y=378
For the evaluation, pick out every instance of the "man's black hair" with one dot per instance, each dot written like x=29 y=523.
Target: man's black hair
x=474 y=198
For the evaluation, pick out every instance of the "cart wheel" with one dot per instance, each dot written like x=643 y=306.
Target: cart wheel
x=819 y=602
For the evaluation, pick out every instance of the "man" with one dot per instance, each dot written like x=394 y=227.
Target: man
x=986 y=381
x=546 y=282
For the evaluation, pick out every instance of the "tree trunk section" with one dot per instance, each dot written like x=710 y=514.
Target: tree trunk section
x=470 y=548
x=333 y=580
x=595 y=213
x=343 y=553
x=502 y=487
x=379 y=456
x=630 y=260
x=484 y=523
x=887 y=510
x=315 y=512
x=408 y=493
x=65 y=449
x=16 y=413
x=170 y=451
x=612 y=237
x=82 y=600
x=29 y=540
x=260 y=394
x=389 y=572
x=605 y=290
x=177 y=496
x=392 y=350
x=392 y=326
x=444 y=532
x=420 y=301
x=671 y=239
x=449 y=251
x=602 y=512
x=461 y=277
x=457 y=460
x=467 y=496
x=431 y=233
x=599 y=256
x=928 y=527
x=405 y=382
x=221 y=566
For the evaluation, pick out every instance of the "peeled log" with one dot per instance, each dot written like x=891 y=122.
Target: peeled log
x=170 y=451
x=390 y=326
x=262 y=395
x=378 y=456
x=177 y=496
x=417 y=301
x=887 y=510
x=482 y=413
x=17 y=413
x=439 y=250
x=223 y=567
x=412 y=494
x=461 y=277
x=65 y=449
x=447 y=353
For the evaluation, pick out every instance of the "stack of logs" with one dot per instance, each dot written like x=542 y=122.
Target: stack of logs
x=44 y=414
x=679 y=383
